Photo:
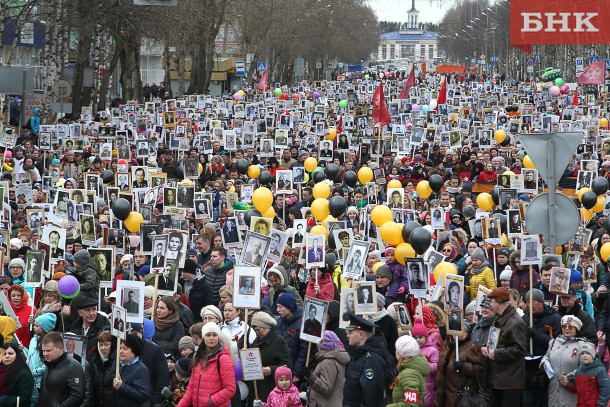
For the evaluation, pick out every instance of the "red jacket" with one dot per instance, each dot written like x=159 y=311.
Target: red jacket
x=23 y=312
x=486 y=176
x=209 y=384
x=327 y=289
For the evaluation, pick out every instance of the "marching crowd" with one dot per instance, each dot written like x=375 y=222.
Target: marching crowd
x=475 y=327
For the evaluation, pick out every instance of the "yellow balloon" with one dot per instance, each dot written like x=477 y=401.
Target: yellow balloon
x=365 y=174
x=504 y=240
x=329 y=218
x=262 y=199
x=134 y=221
x=404 y=251
x=377 y=265
x=603 y=122
x=319 y=209
x=381 y=214
x=528 y=163
x=391 y=232
x=509 y=172
x=485 y=201
x=319 y=230
x=232 y=189
x=586 y=215
x=321 y=190
x=200 y=168
x=269 y=213
x=581 y=192
x=186 y=180
x=423 y=189
x=332 y=133
x=394 y=184
x=306 y=177
x=499 y=136
x=241 y=93
x=604 y=251
x=600 y=205
x=442 y=269
x=310 y=164
x=254 y=171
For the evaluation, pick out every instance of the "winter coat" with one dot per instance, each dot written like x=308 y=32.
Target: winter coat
x=508 y=366
x=104 y=373
x=290 y=329
x=327 y=380
x=88 y=278
x=135 y=390
x=23 y=312
x=480 y=331
x=547 y=325
x=487 y=176
x=485 y=278
x=430 y=351
x=520 y=279
x=34 y=361
x=410 y=383
x=399 y=283
x=564 y=356
x=100 y=325
x=212 y=384
x=217 y=277
x=201 y=295
x=154 y=360
x=591 y=385
x=365 y=374
x=588 y=330
x=284 y=286
x=281 y=398
x=169 y=339
x=274 y=353
x=327 y=289
x=19 y=387
x=448 y=381
x=62 y=384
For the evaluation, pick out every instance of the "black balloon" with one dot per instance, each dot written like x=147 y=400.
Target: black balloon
x=318 y=176
x=332 y=171
x=495 y=195
x=107 y=176
x=249 y=214
x=407 y=228
x=600 y=185
x=242 y=166
x=350 y=178
x=589 y=199
x=121 y=208
x=337 y=206
x=509 y=109
x=265 y=178
x=436 y=183
x=420 y=240
x=506 y=141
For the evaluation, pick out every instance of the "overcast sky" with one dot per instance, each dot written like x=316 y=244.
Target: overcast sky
x=396 y=10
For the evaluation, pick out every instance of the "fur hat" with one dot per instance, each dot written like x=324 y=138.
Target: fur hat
x=407 y=346
x=263 y=319
x=419 y=329
x=500 y=294
x=571 y=320
x=210 y=327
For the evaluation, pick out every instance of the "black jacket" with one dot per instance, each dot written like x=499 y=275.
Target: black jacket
x=216 y=278
x=103 y=376
x=135 y=390
x=154 y=360
x=101 y=324
x=168 y=339
x=365 y=374
x=20 y=387
x=547 y=325
x=62 y=384
x=508 y=366
x=588 y=329
x=200 y=296
x=274 y=353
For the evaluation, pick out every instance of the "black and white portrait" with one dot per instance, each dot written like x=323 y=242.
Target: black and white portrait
x=584 y=180
x=531 y=250
x=34 y=263
x=366 y=301
x=416 y=275
x=130 y=295
x=255 y=249
x=356 y=258
x=514 y=222
x=314 y=319
x=230 y=233
x=284 y=181
x=298 y=175
x=278 y=243
x=103 y=259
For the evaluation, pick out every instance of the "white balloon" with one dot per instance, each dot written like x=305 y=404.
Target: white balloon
x=433 y=104
x=243 y=390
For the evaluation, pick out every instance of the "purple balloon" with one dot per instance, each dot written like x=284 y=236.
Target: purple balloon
x=415 y=107
x=68 y=286
x=238 y=372
x=316 y=95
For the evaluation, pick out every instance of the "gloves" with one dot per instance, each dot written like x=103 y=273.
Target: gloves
x=458 y=365
x=257 y=403
x=532 y=331
x=401 y=290
x=307 y=372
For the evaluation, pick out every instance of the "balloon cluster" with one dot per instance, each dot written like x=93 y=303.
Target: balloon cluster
x=502 y=138
x=122 y=211
x=551 y=74
x=593 y=199
x=513 y=110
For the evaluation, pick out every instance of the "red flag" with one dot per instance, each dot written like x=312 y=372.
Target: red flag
x=442 y=94
x=575 y=100
x=404 y=93
x=340 y=125
x=381 y=114
x=594 y=74
x=262 y=84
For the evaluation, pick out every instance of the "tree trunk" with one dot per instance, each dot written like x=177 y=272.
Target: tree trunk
x=105 y=84
x=82 y=62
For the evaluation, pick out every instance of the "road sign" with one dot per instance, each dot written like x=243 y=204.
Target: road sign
x=567 y=218
x=62 y=89
x=594 y=58
x=537 y=58
x=494 y=59
x=261 y=66
x=530 y=62
x=16 y=80
x=240 y=68
x=580 y=65
x=318 y=65
x=530 y=69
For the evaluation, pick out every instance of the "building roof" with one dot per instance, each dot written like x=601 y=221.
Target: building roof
x=405 y=36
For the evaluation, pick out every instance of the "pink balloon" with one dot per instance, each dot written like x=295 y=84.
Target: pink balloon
x=381 y=75
x=555 y=90
x=565 y=89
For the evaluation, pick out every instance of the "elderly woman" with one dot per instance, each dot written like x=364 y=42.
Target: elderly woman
x=563 y=355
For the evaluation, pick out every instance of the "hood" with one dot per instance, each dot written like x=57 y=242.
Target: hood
x=8 y=326
x=36 y=110
x=419 y=363
x=339 y=354
x=280 y=272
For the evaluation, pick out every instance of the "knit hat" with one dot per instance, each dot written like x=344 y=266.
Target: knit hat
x=380 y=300
x=47 y=321
x=389 y=249
x=571 y=320
x=134 y=343
x=210 y=327
x=127 y=257
x=186 y=342
x=419 y=328
x=190 y=266
x=428 y=316
x=500 y=294
x=504 y=252
x=82 y=257
x=385 y=272
x=478 y=254
x=486 y=303
x=506 y=274
x=17 y=262
x=536 y=295
x=575 y=276
x=144 y=270
x=149 y=291
x=471 y=306
x=16 y=242
x=263 y=320
x=211 y=310
x=407 y=346
x=288 y=301
x=183 y=367
x=589 y=348
x=281 y=372
x=330 y=341
x=469 y=211
x=51 y=287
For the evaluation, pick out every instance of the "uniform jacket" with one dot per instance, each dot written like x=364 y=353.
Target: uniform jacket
x=328 y=378
x=364 y=376
x=411 y=383
x=63 y=384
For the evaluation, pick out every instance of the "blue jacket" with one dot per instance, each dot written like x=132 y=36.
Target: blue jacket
x=585 y=301
x=35 y=121
x=34 y=361
x=135 y=390
x=290 y=330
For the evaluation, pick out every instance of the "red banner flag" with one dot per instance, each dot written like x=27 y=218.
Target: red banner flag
x=558 y=22
x=340 y=125
x=262 y=84
x=442 y=94
x=575 y=100
x=381 y=114
x=594 y=74
x=404 y=93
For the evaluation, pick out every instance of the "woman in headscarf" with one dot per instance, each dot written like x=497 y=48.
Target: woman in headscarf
x=16 y=382
x=327 y=379
x=18 y=299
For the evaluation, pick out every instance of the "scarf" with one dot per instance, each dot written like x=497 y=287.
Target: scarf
x=164 y=324
x=479 y=270
x=377 y=317
x=4 y=380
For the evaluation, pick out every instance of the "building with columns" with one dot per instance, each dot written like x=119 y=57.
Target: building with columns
x=409 y=45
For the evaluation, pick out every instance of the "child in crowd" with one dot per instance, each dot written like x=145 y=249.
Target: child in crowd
x=428 y=348
x=590 y=381
x=183 y=375
x=285 y=393
x=409 y=388
x=186 y=347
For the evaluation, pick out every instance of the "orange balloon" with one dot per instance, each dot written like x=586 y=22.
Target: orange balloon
x=600 y=205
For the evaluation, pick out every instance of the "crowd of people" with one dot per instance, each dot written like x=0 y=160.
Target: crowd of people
x=148 y=247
